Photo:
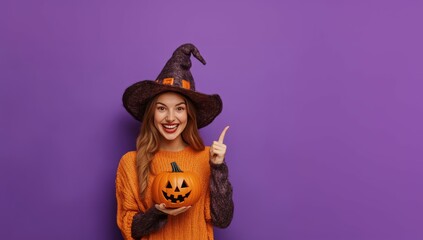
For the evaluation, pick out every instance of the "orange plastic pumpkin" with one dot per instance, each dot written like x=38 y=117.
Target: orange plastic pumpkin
x=177 y=188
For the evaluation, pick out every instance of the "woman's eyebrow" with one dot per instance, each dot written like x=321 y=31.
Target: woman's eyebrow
x=175 y=105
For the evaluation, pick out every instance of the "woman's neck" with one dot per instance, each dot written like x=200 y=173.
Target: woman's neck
x=173 y=145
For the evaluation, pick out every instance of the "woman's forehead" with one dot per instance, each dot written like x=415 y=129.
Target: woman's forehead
x=170 y=98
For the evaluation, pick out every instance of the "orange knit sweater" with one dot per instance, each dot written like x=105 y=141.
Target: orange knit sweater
x=192 y=224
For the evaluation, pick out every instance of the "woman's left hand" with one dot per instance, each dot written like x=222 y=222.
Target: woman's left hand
x=218 y=149
x=171 y=211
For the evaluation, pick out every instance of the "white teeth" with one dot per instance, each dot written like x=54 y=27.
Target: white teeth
x=170 y=126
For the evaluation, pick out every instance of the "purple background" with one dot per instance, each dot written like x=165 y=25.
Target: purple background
x=324 y=100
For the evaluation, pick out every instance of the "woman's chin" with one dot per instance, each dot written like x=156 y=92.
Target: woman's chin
x=170 y=136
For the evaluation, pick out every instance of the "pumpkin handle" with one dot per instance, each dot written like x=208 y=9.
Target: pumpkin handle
x=175 y=167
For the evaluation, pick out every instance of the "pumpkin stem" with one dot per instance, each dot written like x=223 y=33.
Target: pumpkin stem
x=175 y=167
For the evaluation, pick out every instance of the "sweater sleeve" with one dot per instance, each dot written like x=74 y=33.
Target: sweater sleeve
x=126 y=207
x=148 y=222
x=133 y=221
x=221 y=204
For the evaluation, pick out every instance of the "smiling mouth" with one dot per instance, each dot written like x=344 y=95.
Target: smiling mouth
x=172 y=198
x=170 y=128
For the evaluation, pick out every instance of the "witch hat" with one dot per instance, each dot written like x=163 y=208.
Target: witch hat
x=174 y=77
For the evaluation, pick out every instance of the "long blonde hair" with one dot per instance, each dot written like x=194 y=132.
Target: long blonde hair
x=148 y=140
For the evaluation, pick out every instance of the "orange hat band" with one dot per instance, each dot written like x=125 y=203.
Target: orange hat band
x=171 y=81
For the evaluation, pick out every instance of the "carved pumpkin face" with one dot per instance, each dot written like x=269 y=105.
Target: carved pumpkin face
x=176 y=189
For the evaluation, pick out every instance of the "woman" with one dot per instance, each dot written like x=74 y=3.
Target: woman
x=171 y=112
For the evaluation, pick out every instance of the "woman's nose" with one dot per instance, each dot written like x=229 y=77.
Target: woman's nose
x=170 y=116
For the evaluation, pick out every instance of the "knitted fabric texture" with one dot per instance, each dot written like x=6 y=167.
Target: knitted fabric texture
x=222 y=205
x=146 y=223
x=177 y=227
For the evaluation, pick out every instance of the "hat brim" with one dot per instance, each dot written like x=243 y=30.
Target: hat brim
x=137 y=96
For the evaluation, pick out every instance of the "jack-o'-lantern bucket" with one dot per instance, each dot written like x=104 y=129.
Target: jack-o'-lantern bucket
x=176 y=188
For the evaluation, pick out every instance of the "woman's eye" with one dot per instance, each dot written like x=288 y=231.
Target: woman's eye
x=180 y=109
x=160 y=108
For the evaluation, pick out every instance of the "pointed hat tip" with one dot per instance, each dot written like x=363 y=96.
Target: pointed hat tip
x=188 y=49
